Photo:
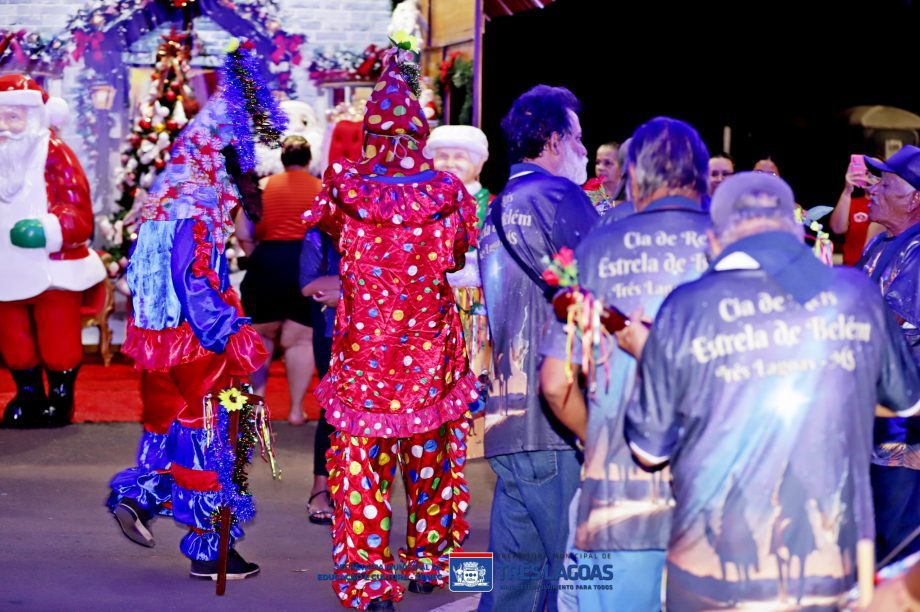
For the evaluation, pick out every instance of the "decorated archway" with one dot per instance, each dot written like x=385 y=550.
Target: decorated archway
x=97 y=41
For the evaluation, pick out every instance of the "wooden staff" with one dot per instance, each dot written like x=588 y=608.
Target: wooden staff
x=223 y=547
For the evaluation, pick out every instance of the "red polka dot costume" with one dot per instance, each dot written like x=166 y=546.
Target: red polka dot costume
x=399 y=385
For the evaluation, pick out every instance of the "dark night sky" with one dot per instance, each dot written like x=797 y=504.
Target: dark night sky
x=778 y=77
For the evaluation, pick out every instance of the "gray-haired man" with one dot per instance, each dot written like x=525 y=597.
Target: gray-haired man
x=759 y=383
x=623 y=518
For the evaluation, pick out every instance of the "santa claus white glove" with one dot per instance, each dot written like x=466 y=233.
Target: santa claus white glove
x=468 y=276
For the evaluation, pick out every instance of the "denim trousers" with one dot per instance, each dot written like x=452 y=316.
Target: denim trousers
x=529 y=527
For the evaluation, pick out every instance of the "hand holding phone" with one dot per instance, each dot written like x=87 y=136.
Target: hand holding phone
x=856 y=172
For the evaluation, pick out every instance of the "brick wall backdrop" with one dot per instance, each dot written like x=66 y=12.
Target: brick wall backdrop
x=327 y=24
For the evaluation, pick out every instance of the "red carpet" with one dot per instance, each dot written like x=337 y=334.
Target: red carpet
x=106 y=394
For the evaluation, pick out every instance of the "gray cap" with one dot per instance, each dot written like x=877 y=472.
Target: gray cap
x=772 y=198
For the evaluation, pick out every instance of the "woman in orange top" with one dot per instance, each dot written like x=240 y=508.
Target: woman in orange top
x=271 y=288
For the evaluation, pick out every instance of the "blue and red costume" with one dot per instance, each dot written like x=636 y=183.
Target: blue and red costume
x=188 y=333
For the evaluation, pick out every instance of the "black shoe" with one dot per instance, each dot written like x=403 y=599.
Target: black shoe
x=27 y=408
x=237 y=568
x=60 y=397
x=381 y=605
x=417 y=586
x=134 y=521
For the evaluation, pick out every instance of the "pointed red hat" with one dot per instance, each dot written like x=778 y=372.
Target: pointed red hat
x=396 y=130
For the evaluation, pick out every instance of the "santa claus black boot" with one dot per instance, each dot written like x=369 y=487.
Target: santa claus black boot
x=28 y=406
x=60 y=397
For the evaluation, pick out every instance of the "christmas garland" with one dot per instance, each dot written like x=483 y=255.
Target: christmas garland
x=248 y=97
x=230 y=464
x=85 y=32
x=456 y=70
x=345 y=65
x=29 y=52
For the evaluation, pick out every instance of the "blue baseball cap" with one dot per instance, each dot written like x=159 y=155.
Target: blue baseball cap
x=905 y=163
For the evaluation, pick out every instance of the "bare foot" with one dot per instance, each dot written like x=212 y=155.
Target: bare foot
x=297 y=418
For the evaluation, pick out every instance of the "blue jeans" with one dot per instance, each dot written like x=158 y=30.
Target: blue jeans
x=528 y=528
x=567 y=601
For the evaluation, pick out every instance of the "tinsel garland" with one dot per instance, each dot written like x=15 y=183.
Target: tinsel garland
x=249 y=98
x=410 y=74
x=85 y=118
x=229 y=463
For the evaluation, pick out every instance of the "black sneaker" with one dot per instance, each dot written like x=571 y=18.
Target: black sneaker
x=381 y=605
x=237 y=568
x=134 y=521
x=417 y=586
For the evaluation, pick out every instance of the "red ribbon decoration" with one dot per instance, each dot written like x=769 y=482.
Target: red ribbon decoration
x=83 y=41
x=287 y=46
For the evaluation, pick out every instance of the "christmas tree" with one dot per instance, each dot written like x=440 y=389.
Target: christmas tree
x=169 y=105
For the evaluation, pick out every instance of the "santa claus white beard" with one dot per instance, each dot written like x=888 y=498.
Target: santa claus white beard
x=15 y=158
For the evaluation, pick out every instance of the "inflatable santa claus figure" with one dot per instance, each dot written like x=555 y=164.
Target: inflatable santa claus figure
x=46 y=220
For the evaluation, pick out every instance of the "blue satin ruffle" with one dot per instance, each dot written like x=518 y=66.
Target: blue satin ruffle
x=190 y=450
x=212 y=319
x=194 y=508
x=151 y=490
x=154 y=450
x=204 y=546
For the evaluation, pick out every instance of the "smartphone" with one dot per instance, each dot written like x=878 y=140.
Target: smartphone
x=858 y=168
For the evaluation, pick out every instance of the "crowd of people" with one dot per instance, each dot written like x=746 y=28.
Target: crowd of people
x=749 y=431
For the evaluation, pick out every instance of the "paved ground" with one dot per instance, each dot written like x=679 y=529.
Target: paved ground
x=60 y=549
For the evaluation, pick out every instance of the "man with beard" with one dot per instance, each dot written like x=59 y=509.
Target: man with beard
x=46 y=220
x=892 y=261
x=541 y=210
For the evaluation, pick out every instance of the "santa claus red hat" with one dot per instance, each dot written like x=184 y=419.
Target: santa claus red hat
x=22 y=90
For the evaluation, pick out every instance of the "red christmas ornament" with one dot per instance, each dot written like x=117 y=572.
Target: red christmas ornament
x=135 y=140
x=159 y=164
x=171 y=95
x=144 y=124
x=172 y=125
